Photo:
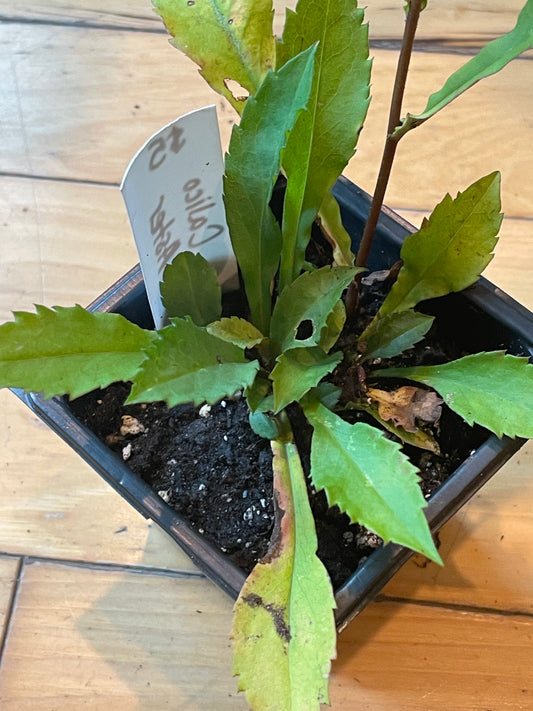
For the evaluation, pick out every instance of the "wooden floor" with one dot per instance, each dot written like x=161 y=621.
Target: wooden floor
x=98 y=609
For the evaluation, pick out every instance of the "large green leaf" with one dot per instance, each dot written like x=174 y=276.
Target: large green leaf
x=369 y=478
x=311 y=297
x=325 y=136
x=493 y=389
x=252 y=166
x=228 y=39
x=188 y=364
x=283 y=628
x=69 y=350
x=493 y=57
x=190 y=288
x=396 y=332
x=299 y=370
x=450 y=250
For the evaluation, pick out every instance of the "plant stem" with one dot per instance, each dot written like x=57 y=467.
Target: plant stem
x=391 y=142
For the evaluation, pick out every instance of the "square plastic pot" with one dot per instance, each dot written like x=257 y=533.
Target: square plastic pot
x=482 y=317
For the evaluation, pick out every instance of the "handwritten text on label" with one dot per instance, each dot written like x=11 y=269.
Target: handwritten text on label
x=173 y=194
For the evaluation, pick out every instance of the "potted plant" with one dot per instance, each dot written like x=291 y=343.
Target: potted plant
x=303 y=346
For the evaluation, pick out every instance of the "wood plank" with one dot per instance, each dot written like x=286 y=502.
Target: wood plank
x=455 y=19
x=8 y=574
x=54 y=236
x=93 y=137
x=37 y=267
x=79 y=640
x=54 y=505
x=415 y=658
x=133 y=16
x=486 y=548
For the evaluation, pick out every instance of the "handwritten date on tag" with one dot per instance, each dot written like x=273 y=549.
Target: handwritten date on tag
x=173 y=194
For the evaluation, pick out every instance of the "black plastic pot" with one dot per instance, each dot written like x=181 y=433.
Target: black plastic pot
x=482 y=317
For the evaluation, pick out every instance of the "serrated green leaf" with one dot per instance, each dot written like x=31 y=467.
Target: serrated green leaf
x=190 y=288
x=333 y=328
x=450 y=250
x=325 y=136
x=493 y=57
x=493 y=389
x=187 y=364
x=252 y=166
x=228 y=39
x=69 y=350
x=299 y=370
x=395 y=333
x=311 y=297
x=283 y=620
x=369 y=478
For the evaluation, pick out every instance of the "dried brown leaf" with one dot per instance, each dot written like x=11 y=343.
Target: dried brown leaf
x=406 y=405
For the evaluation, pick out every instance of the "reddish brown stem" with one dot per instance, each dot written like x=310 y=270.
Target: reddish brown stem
x=391 y=143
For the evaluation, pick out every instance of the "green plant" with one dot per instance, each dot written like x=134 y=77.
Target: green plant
x=309 y=94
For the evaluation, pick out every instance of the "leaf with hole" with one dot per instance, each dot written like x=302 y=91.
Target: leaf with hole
x=310 y=298
x=228 y=40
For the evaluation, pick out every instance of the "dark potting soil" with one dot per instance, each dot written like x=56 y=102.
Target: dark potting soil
x=214 y=470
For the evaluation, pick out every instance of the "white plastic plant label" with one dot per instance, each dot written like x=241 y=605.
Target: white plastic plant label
x=173 y=194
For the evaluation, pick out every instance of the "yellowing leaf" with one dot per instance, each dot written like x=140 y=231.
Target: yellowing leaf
x=406 y=405
x=283 y=628
x=228 y=39
x=236 y=330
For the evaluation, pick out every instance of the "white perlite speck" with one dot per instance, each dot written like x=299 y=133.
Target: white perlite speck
x=204 y=410
x=126 y=452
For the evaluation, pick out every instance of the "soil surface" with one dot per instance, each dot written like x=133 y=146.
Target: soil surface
x=213 y=469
